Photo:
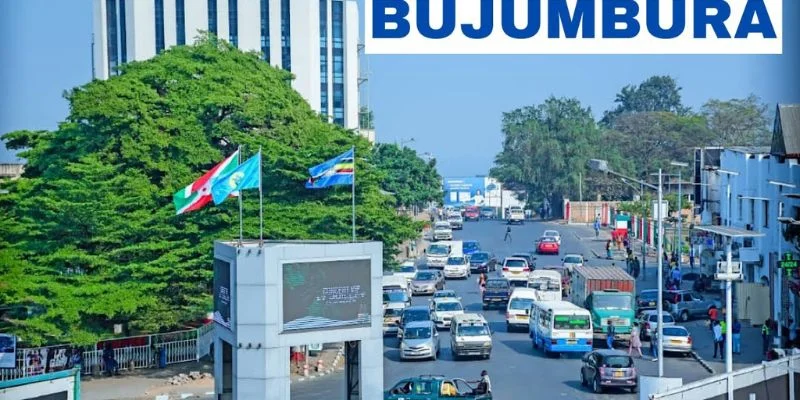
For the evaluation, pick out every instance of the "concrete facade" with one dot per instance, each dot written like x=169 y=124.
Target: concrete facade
x=133 y=30
x=260 y=346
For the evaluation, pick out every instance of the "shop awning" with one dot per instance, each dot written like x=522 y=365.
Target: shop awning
x=728 y=231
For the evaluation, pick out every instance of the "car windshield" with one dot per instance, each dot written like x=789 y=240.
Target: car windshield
x=408 y=269
x=544 y=284
x=496 y=284
x=456 y=261
x=479 y=257
x=519 y=303
x=571 y=322
x=472 y=330
x=516 y=263
x=438 y=250
x=548 y=239
x=425 y=276
x=392 y=312
x=675 y=331
x=617 y=362
x=416 y=315
x=551 y=233
x=520 y=255
x=652 y=295
x=666 y=316
x=449 y=306
x=442 y=225
x=612 y=302
x=448 y=293
x=395 y=297
x=417 y=333
x=455 y=218
x=518 y=283
x=471 y=246
x=573 y=260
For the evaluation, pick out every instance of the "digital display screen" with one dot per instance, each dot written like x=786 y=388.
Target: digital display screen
x=222 y=293
x=326 y=295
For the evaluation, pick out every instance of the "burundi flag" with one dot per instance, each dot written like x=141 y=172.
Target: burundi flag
x=197 y=194
x=245 y=176
x=336 y=171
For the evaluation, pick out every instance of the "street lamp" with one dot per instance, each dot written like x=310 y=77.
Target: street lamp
x=778 y=301
x=680 y=209
x=602 y=166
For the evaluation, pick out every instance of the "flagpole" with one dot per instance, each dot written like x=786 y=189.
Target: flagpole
x=241 y=194
x=353 y=193
x=260 y=200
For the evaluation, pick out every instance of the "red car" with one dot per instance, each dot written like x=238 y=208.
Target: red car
x=548 y=245
x=472 y=214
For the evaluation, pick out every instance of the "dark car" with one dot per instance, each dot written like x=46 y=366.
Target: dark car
x=413 y=313
x=497 y=292
x=527 y=256
x=647 y=300
x=470 y=247
x=609 y=368
x=482 y=261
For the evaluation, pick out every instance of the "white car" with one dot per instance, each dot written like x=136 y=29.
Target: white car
x=442 y=231
x=457 y=267
x=516 y=268
x=444 y=310
x=570 y=261
x=407 y=269
x=553 y=234
x=518 y=309
x=648 y=323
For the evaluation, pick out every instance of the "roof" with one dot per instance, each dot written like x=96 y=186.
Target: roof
x=786 y=131
x=749 y=149
x=557 y=305
x=728 y=231
x=469 y=317
x=613 y=273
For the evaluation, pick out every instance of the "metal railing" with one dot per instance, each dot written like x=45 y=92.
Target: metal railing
x=180 y=347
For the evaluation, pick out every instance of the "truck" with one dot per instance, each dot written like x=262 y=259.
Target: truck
x=608 y=293
x=516 y=215
x=437 y=253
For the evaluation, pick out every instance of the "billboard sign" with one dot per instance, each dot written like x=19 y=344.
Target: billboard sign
x=222 y=293
x=8 y=351
x=326 y=294
x=464 y=191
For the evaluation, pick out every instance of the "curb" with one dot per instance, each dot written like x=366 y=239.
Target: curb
x=332 y=369
x=702 y=362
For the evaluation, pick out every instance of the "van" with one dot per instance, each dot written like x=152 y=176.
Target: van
x=560 y=327
x=518 y=308
x=516 y=215
x=470 y=336
x=396 y=282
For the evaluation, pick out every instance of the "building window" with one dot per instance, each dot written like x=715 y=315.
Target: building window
x=766 y=214
x=265 y=30
x=323 y=56
x=159 y=5
x=752 y=212
x=741 y=207
x=233 y=22
x=338 y=62
x=180 y=22
x=123 y=34
x=111 y=33
x=212 y=16
x=286 y=36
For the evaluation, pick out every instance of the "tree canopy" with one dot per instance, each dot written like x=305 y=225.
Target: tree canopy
x=409 y=178
x=89 y=234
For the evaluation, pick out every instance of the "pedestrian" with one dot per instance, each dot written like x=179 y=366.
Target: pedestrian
x=718 y=340
x=792 y=333
x=691 y=257
x=111 y=366
x=654 y=342
x=597 y=227
x=608 y=249
x=712 y=317
x=610 y=335
x=765 y=336
x=627 y=244
x=636 y=341
x=636 y=268
x=676 y=276
x=507 y=238
x=482 y=282
x=736 y=331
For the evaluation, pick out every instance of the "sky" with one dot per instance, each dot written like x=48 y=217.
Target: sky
x=450 y=105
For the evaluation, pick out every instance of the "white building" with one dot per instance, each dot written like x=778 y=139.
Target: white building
x=317 y=40
x=750 y=188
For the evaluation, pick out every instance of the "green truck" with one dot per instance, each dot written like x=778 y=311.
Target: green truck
x=433 y=387
x=608 y=293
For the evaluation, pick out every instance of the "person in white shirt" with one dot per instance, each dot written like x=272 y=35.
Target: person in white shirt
x=719 y=340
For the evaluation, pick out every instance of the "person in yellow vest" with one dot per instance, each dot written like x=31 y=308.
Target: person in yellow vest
x=724 y=330
x=765 y=333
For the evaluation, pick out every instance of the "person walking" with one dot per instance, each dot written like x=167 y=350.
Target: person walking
x=637 y=268
x=765 y=334
x=712 y=317
x=507 y=238
x=597 y=227
x=608 y=249
x=691 y=257
x=636 y=341
x=611 y=332
x=718 y=340
x=676 y=276
x=482 y=282
x=654 y=342
x=736 y=332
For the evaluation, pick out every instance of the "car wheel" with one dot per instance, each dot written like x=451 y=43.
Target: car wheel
x=583 y=379
x=508 y=327
x=596 y=387
x=455 y=356
x=684 y=315
x=433 y=357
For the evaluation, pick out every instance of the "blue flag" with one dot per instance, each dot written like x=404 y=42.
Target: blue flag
x=245 y=176
x=336 y=171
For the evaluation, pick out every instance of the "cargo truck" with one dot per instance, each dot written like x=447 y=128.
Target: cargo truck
x=608 y=293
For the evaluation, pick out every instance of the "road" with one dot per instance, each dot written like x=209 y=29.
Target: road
x=516 y=370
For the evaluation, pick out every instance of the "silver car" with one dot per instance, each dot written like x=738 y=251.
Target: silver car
x=648 y=323
x=570 y=261
x=420 y=341
x=677 y=339
x=427 y=282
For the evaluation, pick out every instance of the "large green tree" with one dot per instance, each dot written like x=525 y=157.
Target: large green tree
x=738 y=122
x=89 y=233
x=655 y=94
x=411 y=180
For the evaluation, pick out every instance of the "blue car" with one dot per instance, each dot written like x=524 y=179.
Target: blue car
x=471 y=247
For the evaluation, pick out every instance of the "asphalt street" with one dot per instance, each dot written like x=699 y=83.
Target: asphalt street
x=517 y=371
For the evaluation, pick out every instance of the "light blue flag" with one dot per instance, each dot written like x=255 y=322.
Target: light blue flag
x=245 y=176
x=336 y=171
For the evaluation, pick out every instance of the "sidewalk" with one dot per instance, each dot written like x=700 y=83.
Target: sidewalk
x=328 y=361
x=149 y=383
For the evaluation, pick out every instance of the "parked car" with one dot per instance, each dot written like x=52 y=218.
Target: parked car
x=420 y=341
x=497 y=292
x=515 y=268
x=548 y=245
x=411 y=314
x=427 y=282
x=609 y=368
x=685 y=304
x=648 y=323
x=677 y=339
x=482 y=261
x=553 y=234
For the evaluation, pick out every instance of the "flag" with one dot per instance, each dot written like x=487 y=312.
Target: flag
x=336 y=171
x=245 y=176
x=197 y=194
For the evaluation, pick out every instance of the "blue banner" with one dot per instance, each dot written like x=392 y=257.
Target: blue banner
x=464 y=191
